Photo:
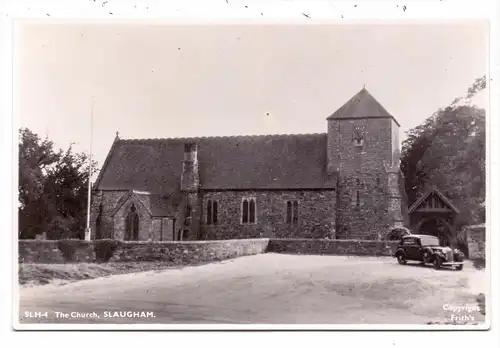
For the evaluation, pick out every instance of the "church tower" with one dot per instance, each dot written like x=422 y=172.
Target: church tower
x=363 y=149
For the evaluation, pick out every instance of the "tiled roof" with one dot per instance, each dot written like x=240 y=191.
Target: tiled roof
x=239 y=162
x=434 y=190
x=362 y=105
x=162 y=205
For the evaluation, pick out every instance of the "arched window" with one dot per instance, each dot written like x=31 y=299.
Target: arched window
x=214 y=211
x=292 y=212
x=244 y=213
x=288 y=218
x=132 y=224
x=357 y=199
x=295 y=219
x=252 y=212
x=211 y=212
x=248 y=211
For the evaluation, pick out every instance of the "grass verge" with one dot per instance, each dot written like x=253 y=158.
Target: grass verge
x=34 y=274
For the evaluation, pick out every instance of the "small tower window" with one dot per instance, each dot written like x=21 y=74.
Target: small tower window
x=378 y=181
x=356 y=199
x=358 y=182
x=358 y=142
x=358 y=135
x=248 y=211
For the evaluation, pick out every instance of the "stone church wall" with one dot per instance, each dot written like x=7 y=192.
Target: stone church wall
x=145 y=221
x=317 y=214
x=376 y=150
x=476 y=237
x=114 y=226
x=370 y=218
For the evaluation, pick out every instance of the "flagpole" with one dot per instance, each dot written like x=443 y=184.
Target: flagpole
x=88 y=229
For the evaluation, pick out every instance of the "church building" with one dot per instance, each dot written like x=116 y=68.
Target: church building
x=342 y=184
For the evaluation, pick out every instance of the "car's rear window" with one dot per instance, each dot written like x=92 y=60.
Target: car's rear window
x=409 y=241
x=429 y=240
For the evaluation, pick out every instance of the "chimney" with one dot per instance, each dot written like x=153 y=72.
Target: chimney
x=190 y=178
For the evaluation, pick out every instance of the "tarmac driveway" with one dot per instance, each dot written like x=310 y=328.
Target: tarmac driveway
x=264 y=289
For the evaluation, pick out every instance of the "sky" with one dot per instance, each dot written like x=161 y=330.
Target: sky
x=166 y=80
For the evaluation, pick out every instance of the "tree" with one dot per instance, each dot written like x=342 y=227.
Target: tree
x=448 y=150
x=53 y=189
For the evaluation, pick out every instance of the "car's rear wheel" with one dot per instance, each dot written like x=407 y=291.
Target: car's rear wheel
x=437 y=263
x=401 y=259
x=459 y=267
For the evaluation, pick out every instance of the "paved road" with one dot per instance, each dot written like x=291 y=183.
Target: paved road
x=263 y=289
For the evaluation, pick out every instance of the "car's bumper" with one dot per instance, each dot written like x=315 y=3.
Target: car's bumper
x=455 y=263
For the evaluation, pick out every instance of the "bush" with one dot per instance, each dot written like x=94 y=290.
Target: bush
x=479 y=263
x=68 y=248
x=105 y=249
x=396 y=233
x=481 y=301
x=463 y=246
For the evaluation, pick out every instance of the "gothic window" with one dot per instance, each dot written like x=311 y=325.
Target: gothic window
x=248 y=211
x=212 y=208
x=288 y=212
x=244 y=213
x=378 y=181
x=215 y=208
x=295 y=219
x=252 y=211
x=357 y=199
x=292 y=212
x=132 y=224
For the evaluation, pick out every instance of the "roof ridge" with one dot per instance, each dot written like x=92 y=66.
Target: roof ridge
x=256 y=136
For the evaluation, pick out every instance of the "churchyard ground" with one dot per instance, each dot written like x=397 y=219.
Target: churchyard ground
x=264 y=289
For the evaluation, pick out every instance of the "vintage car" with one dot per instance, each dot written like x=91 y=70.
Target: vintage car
x=426 y=249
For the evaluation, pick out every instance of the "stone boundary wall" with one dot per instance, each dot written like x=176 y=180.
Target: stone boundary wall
x=333 y=247
x=193 y=252
x=49 y=251
x=476 y=237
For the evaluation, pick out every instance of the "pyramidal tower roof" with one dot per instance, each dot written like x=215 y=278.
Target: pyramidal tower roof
x=362 y=105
